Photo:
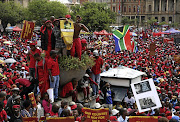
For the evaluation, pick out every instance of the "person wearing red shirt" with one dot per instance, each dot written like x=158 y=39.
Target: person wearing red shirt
x=27 y=86
x=3 y=114
x=47 y=39
x=32 y=62
x=96 y=70
x=53 y=68
x=42 y=73
x=70 y=90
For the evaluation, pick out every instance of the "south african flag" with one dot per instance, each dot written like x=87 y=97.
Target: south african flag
x=122 y=38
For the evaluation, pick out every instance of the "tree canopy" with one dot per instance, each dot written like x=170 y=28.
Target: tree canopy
x=39 y=9
x=96 y=16
x=11 y=12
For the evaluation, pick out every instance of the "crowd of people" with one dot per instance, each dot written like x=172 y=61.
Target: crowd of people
x=36 y=69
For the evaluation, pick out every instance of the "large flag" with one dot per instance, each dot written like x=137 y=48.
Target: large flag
x=122 y=38
x=134 y=46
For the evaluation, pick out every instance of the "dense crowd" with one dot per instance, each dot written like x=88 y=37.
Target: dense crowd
x=36 y=69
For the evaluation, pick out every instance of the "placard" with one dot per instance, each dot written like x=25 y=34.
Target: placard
x=60 y=119
x=143 y=119
x=152 y=49
x=32 y=98
x=146 y=95
x=28 y=29
x=96 y=115
x=30 y=119
x=67 y=31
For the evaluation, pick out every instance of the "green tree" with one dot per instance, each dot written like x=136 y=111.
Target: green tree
x=96 y=16
x=11 y=12
x=151 y=21
x=39 y=9
x=125 y=20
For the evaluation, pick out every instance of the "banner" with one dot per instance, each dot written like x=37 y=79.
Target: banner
x=50 y=91
x=60 y=119
x=32 y=98
x=96 y=115
x=30 y=119
x=143 y=119
x=27 y=31
x=67 y=31
x=152 y=49
x=146 y=95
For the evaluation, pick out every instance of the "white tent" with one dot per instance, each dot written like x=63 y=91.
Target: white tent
x=122 y=76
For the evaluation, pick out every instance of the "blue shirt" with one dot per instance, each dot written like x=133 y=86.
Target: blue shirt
x=108 y=96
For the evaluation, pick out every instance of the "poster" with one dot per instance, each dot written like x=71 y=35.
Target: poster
x=60 y=119
x=32 y=98
x=50 y=91
x=152 y=49
x=146 y=95
x=96 y=115
x=67 y=31
x=30 y=119
x=143 y=119
x=28 y=29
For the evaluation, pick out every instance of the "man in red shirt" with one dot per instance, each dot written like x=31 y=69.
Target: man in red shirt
x=27 y=86
x=32 y=62
x=96 y=70
x=53 y=68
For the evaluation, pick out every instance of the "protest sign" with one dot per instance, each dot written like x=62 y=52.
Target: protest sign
x=67 y=31
x=30 y=119
x=143 y=119
x=60 y=119
x=152 y=49
x=28 y=29
x=51 y=94
x=146 y=95
x=32 y=98
x=96 y=115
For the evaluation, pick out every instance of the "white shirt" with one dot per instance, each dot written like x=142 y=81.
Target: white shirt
x=40 y=110
x=130 y=101
x=120 y=119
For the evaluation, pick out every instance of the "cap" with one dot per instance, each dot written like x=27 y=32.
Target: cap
x=86 y=75
x=23 y=68
x=73 y=107
x=68 y=16
x=95 y=53
x=48 y=21
x=84 y=41
x=15 y=89
x=114 y=112
x=32 y=44
x=97 y=105
x=72 y=103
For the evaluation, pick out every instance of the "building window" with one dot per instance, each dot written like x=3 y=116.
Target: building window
x=170 y=19
x=114 y=9
x=163 y=19
x=129 y=8
x=114 y=1
x=124 y=8
x=150 y=8
x=134 y=9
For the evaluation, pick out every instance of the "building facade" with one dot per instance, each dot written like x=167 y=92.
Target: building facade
x=24 y=3
x=162 y=10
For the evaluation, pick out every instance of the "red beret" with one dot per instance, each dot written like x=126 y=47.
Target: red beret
x=73 y=107
x=84 y=41
x=32 y=44
x=68 y=16
x=48 y=21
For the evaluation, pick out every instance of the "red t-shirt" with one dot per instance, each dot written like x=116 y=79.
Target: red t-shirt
x=3 y=115
x=23 y=82
x=66 y=89
x=53 y=66
x=32 y=60
x=96 y=69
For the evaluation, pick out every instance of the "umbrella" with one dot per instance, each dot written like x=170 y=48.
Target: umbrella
x=10 y=60
x=172 y=30
x=7 y=42
x=17 y=29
